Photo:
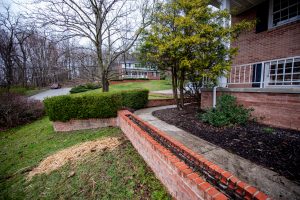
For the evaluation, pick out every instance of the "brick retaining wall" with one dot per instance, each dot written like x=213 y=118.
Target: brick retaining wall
x=83 y=124
x=126 y=81
x=165 y=102
x=271 y=108
x=180 y=180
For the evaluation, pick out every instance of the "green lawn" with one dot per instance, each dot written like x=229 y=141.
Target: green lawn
x=152 y=85
x=117 y=174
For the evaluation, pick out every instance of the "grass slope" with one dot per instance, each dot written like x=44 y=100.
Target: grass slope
x=119 y=174
x=152 y=85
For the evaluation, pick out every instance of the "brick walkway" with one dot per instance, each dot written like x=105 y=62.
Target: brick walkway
x=264 y=179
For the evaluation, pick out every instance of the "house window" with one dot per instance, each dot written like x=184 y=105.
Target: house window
x=284 y=11
x=285 y=72
x=138 y=65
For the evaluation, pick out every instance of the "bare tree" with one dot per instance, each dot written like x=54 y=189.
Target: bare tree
x=102 y=22
x=8 y=47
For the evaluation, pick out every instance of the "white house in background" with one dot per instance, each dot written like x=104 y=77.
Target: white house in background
x=132 y=69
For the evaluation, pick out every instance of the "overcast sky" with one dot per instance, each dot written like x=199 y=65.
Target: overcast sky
x=17 y=5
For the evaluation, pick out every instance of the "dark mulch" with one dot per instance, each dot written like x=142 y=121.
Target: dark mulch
x=275 y=148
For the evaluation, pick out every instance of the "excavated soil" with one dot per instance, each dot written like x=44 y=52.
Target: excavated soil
x=73 y=154
x=274 y=148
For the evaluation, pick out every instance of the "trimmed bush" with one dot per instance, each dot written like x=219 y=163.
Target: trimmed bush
x=135 y=99
x=84 y=88
x=102 y=105
x=227 y=112
x=16 y=110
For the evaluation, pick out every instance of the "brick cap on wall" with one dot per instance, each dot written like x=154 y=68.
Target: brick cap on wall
x=256 y=90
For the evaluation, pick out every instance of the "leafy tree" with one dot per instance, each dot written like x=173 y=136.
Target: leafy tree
x=189 y=38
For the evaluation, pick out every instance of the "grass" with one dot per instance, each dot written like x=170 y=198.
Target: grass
x=118 y=174
x=151 y=85
x=159 y=96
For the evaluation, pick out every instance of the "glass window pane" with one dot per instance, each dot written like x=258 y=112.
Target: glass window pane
x=280 y=69
x=296 y=77
x=284 y=14
x=292 y=11
x=276 y=16
x=284 y=4
x=288 y=67
x=288 y=77
x=279 y=77
x=292 y=2
x=296 y=67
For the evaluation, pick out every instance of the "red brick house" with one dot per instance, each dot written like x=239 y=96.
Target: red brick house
x=266 y=71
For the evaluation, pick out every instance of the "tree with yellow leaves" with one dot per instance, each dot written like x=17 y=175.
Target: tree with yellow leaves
x=188 y=38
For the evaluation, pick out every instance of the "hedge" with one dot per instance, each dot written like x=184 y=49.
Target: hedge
x=84 y=88
x=102 y=105
x=135 y=99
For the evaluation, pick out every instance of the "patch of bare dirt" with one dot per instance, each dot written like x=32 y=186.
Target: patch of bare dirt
x=73 y=154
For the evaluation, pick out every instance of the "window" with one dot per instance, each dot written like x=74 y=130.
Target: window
x=284 y=11
x=138 y=65
x=285 y=72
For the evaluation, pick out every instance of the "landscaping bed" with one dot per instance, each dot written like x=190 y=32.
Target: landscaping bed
x=275 y=148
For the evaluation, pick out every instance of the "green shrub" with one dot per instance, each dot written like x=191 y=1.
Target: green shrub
x=102 y=105
x=227 y=112
x=135 y=99
x=84 y=88
x=268 y=130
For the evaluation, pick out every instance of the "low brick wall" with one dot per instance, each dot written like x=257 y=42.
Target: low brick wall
x=126 y=81
x=165 y=102
x=83 y=124
x=271 y=107
x=180 y=180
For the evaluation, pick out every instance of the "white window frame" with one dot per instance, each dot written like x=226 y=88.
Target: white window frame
x=236 y=72
x=270 y=24
x=267 y=72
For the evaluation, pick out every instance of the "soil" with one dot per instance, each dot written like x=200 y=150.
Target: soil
x=73 y=154
x=274 y=148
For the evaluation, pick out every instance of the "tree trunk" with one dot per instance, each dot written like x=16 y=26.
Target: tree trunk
x=174 y=86
x=105 y=83
x=181 y=87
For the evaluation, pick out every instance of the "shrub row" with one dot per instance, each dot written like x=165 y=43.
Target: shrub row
x=84 y=88
x=102 y=105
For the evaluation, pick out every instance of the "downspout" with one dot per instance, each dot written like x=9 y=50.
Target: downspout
x=214 y=96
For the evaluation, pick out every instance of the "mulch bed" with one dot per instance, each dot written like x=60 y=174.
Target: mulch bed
x=274 y=148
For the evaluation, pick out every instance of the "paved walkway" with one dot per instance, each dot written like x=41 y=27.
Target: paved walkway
x=270 y=182
x=50 y=93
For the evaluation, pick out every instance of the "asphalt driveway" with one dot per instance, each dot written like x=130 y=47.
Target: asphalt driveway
x=50 y=93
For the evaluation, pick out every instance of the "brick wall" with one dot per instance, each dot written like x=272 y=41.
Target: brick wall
x=165 y=102
x=126 y=81
x=83 y=124
x=279 y=42
x=275 y=109
x=180 y=180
